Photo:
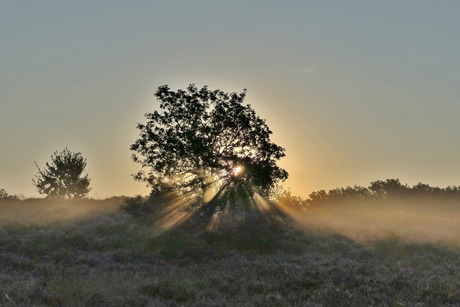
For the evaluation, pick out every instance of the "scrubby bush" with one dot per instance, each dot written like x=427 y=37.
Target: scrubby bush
x=4 y=195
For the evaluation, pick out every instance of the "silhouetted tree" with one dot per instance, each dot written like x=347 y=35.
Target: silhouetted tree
x=422 y=189
x=63 y=177
x=348 y=193
x=4 y=195
x=452 y=191
x=202 y=137
x=317 y=197
x=211 y=165
x=389 y=188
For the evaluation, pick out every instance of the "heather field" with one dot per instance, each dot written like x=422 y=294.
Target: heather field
x=88 y=253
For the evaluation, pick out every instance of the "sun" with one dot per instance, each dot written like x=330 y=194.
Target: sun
x=237 y=170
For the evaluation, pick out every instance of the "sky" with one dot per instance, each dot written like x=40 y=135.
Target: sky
x=356 y=91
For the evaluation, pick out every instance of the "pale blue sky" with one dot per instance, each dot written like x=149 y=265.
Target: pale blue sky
x=355 y=91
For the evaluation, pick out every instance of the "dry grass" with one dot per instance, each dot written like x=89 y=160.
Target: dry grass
x=105 y=259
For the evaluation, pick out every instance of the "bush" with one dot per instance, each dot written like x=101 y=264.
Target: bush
x=4 y=195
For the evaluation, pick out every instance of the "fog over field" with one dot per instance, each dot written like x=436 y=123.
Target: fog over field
x=363 y=222
x=44 y=212
x=88 y=253
x=412 y=222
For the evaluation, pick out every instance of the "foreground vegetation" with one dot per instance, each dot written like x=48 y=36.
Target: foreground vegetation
x=105 y=258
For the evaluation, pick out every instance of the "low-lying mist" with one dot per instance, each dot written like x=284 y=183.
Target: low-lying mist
x=86 y=254
x=365 y=221
x=44 y=212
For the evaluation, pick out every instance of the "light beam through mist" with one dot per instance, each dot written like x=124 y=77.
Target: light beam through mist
x=226 y=205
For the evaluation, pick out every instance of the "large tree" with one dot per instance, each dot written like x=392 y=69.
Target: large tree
x=63 y=177
x=203 y=137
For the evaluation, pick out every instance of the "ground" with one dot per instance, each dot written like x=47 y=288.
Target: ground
x=91 y=254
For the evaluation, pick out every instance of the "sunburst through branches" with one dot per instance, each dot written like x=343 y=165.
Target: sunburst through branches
x=209 y=158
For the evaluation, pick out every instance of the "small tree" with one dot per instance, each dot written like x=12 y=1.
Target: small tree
x=63 y=177
x=4 y=194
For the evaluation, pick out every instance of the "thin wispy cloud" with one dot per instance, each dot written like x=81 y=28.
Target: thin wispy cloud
x=304 y=71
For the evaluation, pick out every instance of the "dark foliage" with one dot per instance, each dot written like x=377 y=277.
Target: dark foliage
x=389 y=188
x=383 y=190
x=63 y=177
x=202 y=137
x=4 y=195
x=211 y=162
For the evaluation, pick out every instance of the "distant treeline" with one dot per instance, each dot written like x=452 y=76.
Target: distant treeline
x=4 y=195
x=381 y=190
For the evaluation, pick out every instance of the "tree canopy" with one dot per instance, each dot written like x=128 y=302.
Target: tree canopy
x=63 y=177
x=201 y=137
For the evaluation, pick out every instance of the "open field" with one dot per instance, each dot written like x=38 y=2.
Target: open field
x=79 y=254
